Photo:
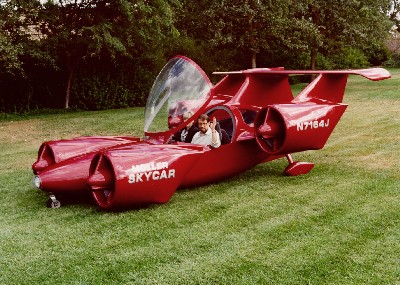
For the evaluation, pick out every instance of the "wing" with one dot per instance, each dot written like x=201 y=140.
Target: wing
x=374 y=74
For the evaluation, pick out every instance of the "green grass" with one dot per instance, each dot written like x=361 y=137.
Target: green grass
x=340 y=224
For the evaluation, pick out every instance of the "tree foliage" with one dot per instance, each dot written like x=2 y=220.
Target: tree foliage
x=16 y=20
x=313 y=26
x=344 y=24
x=108 y=30
x=393 y=9
x=103 y=53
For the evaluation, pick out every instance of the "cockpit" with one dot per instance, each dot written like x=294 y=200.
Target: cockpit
x=182 y=87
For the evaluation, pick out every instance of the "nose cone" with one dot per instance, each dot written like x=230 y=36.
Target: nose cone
x=269 y=129
x=45 y=159
x=39 y=166
x=100 y=180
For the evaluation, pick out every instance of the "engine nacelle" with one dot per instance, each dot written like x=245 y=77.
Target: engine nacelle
x=288 y=128
x=129 y=177
x=52 y=152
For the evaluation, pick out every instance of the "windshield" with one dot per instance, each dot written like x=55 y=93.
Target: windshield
x=181 y=87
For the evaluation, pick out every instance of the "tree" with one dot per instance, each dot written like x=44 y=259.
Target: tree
x=394 y=13
x=344 y=24
x=16 y=20
x=78 y=30
x=249 y=26
x=19 y=52
x=74 y=30
x=287 y=28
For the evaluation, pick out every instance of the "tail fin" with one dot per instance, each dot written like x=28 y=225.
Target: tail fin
x=329 y=86
x=325 y=88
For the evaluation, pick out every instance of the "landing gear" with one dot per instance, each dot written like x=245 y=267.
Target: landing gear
x=52 y=202
x=297 y=167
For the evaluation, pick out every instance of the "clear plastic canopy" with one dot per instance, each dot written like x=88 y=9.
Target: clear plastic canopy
x=181 y=86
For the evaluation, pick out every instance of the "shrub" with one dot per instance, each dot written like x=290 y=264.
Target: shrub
x=350 y=58
x=394 y=61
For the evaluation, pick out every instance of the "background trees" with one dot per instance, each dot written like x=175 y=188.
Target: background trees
x=97 y=54
x=16 y=20
x=316 y=27
x=89 y=31
x=347 y=28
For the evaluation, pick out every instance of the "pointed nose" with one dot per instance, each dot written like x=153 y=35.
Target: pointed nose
x=39 y=166
x=269 y=129
x=101 y=179
x=45 y=159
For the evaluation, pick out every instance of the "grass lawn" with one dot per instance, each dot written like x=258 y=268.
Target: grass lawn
x=340 y=224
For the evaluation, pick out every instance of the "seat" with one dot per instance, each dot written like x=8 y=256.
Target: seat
x=225 y=139
x=223 y=135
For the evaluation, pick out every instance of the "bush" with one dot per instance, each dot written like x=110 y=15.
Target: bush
x=377 y=55
x=99 y=93
x=350 y=58
x=394 y=61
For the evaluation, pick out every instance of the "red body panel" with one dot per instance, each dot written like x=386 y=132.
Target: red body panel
x=224 y=162
x=56 y=151
x=143 y=176
x=152 y=173
x=254 y=107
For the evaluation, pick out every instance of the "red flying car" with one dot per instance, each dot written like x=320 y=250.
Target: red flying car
x=254 y=107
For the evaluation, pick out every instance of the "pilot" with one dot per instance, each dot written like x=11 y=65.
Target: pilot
x=187 y=133
x=207 y=135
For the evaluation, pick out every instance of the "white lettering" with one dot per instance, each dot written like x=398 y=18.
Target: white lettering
x=163 y=174
x=156 y=175
x=302 y=126
x=131 y=178
x=147 y=174
x=148 y=167
x=151 y=171
x=139 y=177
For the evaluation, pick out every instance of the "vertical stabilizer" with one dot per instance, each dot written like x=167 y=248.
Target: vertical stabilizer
x=325 y=88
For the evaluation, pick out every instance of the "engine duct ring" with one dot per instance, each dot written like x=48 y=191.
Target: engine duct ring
x=269 y=130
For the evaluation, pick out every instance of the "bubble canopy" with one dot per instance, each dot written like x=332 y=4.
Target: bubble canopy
x=180 y=87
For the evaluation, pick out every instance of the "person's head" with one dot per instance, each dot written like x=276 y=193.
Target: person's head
x=202 y=123
x=186 y=116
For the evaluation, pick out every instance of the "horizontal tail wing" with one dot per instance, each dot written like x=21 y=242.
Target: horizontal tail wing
x=374 y=74
x=329 y=86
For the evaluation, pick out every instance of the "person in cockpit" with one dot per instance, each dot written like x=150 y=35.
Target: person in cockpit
x=207 y=135
x=187 y=133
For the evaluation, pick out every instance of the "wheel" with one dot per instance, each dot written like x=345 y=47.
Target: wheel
x=53 y=202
